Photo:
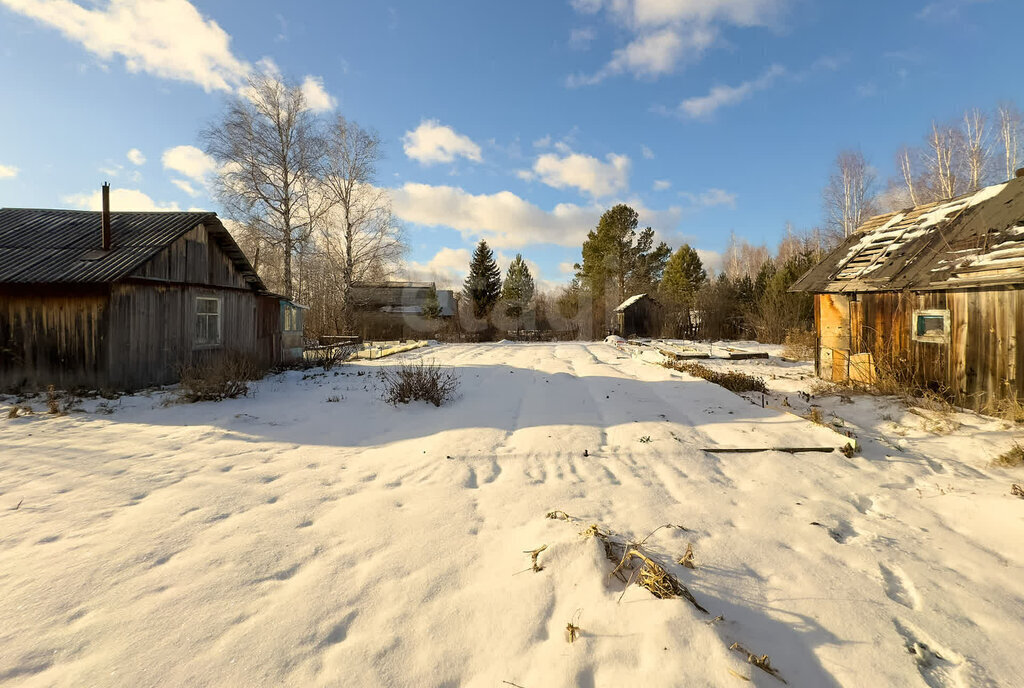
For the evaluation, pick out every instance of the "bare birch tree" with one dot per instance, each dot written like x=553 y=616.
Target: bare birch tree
x=943 y=159
x=906 y=164
x=1010 y=120
x=977 y=149
x=359 y=233
x=265 y=146
x=848 y=194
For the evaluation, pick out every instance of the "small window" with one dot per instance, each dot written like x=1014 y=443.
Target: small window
x=931 y=326
x=207 y=321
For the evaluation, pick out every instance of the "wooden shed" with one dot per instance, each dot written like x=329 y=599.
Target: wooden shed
x=121 y=300
x=395 y=310
x=934 y=293
x=638 y=316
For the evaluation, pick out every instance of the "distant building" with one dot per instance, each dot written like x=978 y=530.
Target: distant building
x=398 y=310
x=934 y=293
x=638 y=316
x=121 y=300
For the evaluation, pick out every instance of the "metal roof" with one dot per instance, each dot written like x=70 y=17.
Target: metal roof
x=972 y=240
x=40 y=245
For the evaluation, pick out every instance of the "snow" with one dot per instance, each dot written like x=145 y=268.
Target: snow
x=629 y=302
x=282 y=539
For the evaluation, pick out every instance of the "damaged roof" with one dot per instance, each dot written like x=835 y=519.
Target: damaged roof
x=973 y=240
x=39 y=245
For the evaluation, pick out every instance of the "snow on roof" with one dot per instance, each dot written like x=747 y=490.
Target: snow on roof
x=629 y=302
x=925 y=246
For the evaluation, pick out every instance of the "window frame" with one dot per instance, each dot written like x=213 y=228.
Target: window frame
x=931 y=338
x=216 y=317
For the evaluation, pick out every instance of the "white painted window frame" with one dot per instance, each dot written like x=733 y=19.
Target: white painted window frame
x=942 y=338
x=217 y=317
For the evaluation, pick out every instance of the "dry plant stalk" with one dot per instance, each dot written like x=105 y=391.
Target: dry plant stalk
x=761 y=662
x=657 y=580
x=573 y=631
x=558 y=514
x=1017 y=490
x=534 y=553
x=739 y=675
x=687 y=558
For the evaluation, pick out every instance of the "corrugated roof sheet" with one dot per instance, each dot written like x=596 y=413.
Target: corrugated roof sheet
x=972 y=240
x=40 y=245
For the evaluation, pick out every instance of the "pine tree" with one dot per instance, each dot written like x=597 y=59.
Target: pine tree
x=482 y=287
x=684 y=275
x=617 y=261
x=517 y=291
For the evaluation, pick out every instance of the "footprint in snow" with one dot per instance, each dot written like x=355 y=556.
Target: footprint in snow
x=898 y=587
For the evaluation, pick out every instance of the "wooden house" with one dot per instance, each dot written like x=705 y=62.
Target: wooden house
x=122 y=300
x=399 y=310
x=934 y=294
x=638 y=316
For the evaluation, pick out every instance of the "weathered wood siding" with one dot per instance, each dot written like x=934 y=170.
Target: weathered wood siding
x=642 y=318
x=152 y=330
x=136 y=332
x=979 y=363
x=52 y=337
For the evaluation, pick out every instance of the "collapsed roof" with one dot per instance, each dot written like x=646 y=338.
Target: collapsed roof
x=974 y=240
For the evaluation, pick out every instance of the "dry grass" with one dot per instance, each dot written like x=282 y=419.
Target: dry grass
x=225 y=376
x=800 y=345
x=816 y=416
x=419 y=382
x=732 y=381
x=1012 y=458
x=687 y=558
x=762 y=662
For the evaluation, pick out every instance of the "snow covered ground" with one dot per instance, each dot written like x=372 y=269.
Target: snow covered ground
x=313 y=535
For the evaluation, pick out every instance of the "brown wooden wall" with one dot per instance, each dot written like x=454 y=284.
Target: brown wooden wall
x=978 y=364
x=642 y=318
x=52 y=337
x=137 y=332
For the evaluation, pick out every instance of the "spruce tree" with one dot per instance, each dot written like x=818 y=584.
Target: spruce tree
x=517 y=291
x=483 y=283
x=431 y=305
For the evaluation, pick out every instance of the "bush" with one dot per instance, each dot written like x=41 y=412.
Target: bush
x=800 y=344
x=418 y=382
x=732 y=381
x=1012 y=458
x=225 y=376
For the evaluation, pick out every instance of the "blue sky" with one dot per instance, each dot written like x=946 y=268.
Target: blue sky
x=516 y=122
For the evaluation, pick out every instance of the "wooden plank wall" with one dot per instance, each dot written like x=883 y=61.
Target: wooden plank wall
x=52 y=337
x=980 y=362
x=152 y=329
x=194 y=258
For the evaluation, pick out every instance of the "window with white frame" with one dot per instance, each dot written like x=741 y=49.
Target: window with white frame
x=207 y=332
x=931 y=326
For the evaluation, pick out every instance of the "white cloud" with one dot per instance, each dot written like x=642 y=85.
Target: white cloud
x=185 y=186
x=120 y=199
x=136 y=157
x=566 y=268
x=543 y=142
x=583 y=172
x=170 y=39
x=647 y=153
x=711 y=198
x=447 y=268
x=432 y=142
x=703 y=107
x=316 y=96
x=508 y=221
x=712 y=261
x=581 y=38
x=669 y=33
x=662 y=184
x=189 y=161
x=8 y=172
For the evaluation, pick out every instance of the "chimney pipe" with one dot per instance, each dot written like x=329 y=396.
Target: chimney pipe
x=105 y=217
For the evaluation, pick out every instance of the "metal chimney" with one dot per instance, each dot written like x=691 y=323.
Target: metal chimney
x=105 y=218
